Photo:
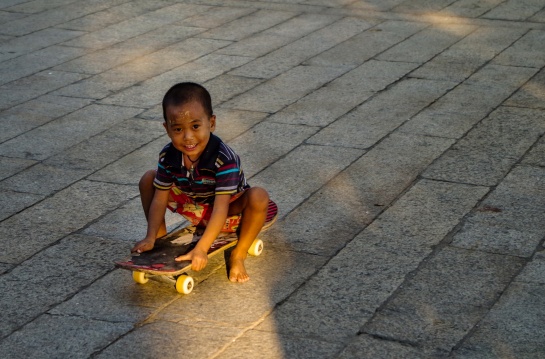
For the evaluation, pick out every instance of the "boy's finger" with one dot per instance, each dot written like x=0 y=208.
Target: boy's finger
x=183 y=257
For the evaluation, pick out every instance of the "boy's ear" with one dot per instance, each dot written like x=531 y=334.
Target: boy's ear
x=212 y=123
x=165 y=126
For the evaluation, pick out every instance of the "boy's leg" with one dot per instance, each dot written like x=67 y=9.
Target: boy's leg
x=253 y=206
x=147 y=190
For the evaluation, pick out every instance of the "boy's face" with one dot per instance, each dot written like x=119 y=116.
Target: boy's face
x=189 y=128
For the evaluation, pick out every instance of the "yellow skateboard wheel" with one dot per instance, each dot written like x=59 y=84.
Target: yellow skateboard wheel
x=139 y=277
x=184 y=284
x=256 y=248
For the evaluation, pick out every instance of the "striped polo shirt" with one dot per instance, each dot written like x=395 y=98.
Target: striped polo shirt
x=217 y=172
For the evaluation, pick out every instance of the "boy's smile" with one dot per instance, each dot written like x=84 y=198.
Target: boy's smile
x=189 y=128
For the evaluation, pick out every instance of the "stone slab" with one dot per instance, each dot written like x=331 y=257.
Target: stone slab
x=534 y=271
x=515 y=10
x=316 y=165
x=33 y=86
x=531 y=94
x=454 y=114
x=426 y=44
x=52 y=219
x=513 y=327
x=470 y=8
x=525 y=52
x=437 y=307
x=340 y=210
x=487 y=153
x=14 y=202
x=152 y=342
x=536 y=155
x=326 y=104
x=370 y=268
x=366 y=346
x=224 y=87
x=509 y=220
x=54 y=336
x=217 y=16
x=130 y=168
x=285 y=89
x=11 y=166
x=256 y=343
x=366 y=45
x=73 y=128
x=269 y=284
x=376 y=118
x=233 y=123
x=277 y=36
x=295 y=53
x=53 y=276
x=267 y=142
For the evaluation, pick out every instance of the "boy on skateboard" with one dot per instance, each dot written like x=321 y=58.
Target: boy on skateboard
x=200 y=177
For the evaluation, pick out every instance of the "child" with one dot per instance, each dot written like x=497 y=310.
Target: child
x=200 y=177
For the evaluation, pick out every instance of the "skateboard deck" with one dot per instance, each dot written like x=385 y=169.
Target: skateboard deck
x=160 y=264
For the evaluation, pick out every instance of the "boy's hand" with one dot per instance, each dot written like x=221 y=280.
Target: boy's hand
x=198 y=259
x=144 y=245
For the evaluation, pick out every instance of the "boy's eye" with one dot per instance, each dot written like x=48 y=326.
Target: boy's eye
x=195 y=127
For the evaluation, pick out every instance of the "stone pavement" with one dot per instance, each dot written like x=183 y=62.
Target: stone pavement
x=402 y=139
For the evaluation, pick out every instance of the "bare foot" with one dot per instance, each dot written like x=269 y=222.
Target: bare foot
x=238 y=272
x=143 y=245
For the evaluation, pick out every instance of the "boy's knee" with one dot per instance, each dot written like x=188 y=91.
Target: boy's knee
x=258 y=197
x=147 y=180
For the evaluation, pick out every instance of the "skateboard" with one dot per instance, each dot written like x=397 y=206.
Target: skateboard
x=159 y=263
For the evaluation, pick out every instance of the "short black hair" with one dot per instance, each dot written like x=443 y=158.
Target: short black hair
x=185 y=92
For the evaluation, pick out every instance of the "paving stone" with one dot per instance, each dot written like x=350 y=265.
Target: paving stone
x=224 y=87
x=512 y=329
x=534 y=271
x=437 y=307
x=52 y=219
x=427 y=43
x=4 y=267
x=56 y=16
x=469 y=8
x=42 y=179
x=285 y=89
x=130 y=168
x=136 y=26
x=316 y=165
x=325 y=105
x=10 y=166
x=275 y=346
x=421 y=6
x=73 y=128
x=265 y=143
x=54 y=336
x=153 y=344
x=471 y=53
x=536 y=155
x=121 y=299
x=269 y=284
x=118 y=54
x=233 y=123
x=33 y=86
x=34 y=286
x=158 y=63
x=376 y=118
x=151 y=92
x=372 y=266
x=531 y=94
x=217 y=16
x=295 y=53
x=366 y=45
x=35 y=113
x=13 y=202
x=350 y=201
x=525 y=52
x=487 y=153
x=366 y=346
x=102 y=149
x=454 y=114
x=509 y=221
x=279 y=35
x=248 y=25
x=515 y=10
x=101 y=19
x=26 y=44
x=538 y=17
x=33 y=7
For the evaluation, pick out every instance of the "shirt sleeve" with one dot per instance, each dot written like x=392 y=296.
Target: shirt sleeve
x=163 y=178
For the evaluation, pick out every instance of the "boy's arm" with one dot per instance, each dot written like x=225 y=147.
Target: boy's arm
x=199 y=255
x=156 y=216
